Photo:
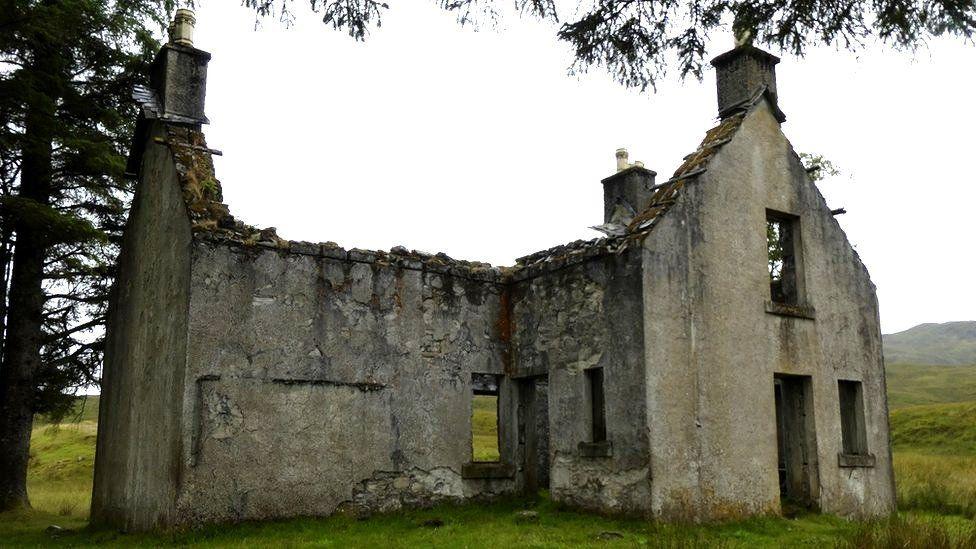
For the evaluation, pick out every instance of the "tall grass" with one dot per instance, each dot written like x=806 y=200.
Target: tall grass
x=901 y=532
x=936 y=483
x=935 y=458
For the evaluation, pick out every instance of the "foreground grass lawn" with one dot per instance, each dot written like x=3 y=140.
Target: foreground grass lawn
x=510 y=523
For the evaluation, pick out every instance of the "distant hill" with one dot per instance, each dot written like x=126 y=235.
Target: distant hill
x=950 y=343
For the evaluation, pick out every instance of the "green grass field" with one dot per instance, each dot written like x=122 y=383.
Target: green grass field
x=935 y=463
x=912 y=384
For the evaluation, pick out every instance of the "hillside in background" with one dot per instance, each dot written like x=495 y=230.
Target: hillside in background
x=950 y=343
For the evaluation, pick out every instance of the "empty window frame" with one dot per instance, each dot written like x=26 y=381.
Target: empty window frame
x=782 y=247
x=595 y=396
x=853 y=432
x=484 y=418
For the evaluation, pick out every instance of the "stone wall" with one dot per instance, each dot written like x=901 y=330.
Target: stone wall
x=565 y=321
x=314 y=382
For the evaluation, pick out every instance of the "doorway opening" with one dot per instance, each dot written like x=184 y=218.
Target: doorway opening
x=796 y=442
x=533 y=430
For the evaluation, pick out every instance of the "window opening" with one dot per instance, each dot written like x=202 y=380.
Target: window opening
x=853 y=433
x=484 y=418
x=598 y=419
x=781 y=246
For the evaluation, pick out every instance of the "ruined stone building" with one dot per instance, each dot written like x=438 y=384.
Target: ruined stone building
x=717 y=354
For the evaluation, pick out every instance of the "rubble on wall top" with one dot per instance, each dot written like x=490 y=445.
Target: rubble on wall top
x=557 y=257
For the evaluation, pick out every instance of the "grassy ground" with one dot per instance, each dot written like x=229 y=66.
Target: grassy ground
x=935 y=457
x=60 y=475
x=512 y=523
x=935 y=463
x=912 y=384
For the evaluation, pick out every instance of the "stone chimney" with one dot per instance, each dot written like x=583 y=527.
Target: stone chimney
x=627 y=192
x=179 y=74
x=740 y=74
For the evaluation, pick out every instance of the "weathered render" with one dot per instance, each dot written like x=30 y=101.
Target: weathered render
x=657 y=372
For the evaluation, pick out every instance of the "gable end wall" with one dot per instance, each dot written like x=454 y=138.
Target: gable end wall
x=713 y=354
x=137 y=465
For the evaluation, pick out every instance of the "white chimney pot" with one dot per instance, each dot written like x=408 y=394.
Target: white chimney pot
x=181 y=29
x=622 y=160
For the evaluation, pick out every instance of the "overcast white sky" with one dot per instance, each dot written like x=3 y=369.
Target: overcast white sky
x=479 y=144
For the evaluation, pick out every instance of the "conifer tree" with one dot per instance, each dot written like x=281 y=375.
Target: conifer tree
x=67 y=68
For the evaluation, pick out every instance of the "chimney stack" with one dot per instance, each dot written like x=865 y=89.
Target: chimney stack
x=740 y=74
x=179 y=74
x=627 y=192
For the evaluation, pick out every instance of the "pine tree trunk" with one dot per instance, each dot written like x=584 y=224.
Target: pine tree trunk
x=6 y=251
x=20 y=359
x=22 y=344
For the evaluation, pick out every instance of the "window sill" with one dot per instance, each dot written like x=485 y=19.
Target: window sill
x=788 y=309
x=596 y=449
x=855 y=460
x=487 y=470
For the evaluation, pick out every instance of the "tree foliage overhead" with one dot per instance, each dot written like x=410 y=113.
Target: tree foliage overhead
x=638 y=40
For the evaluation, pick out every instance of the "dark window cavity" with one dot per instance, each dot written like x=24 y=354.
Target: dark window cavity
x=852 y=428
x=781 y=231
x=484 y=418
x=595 y=395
